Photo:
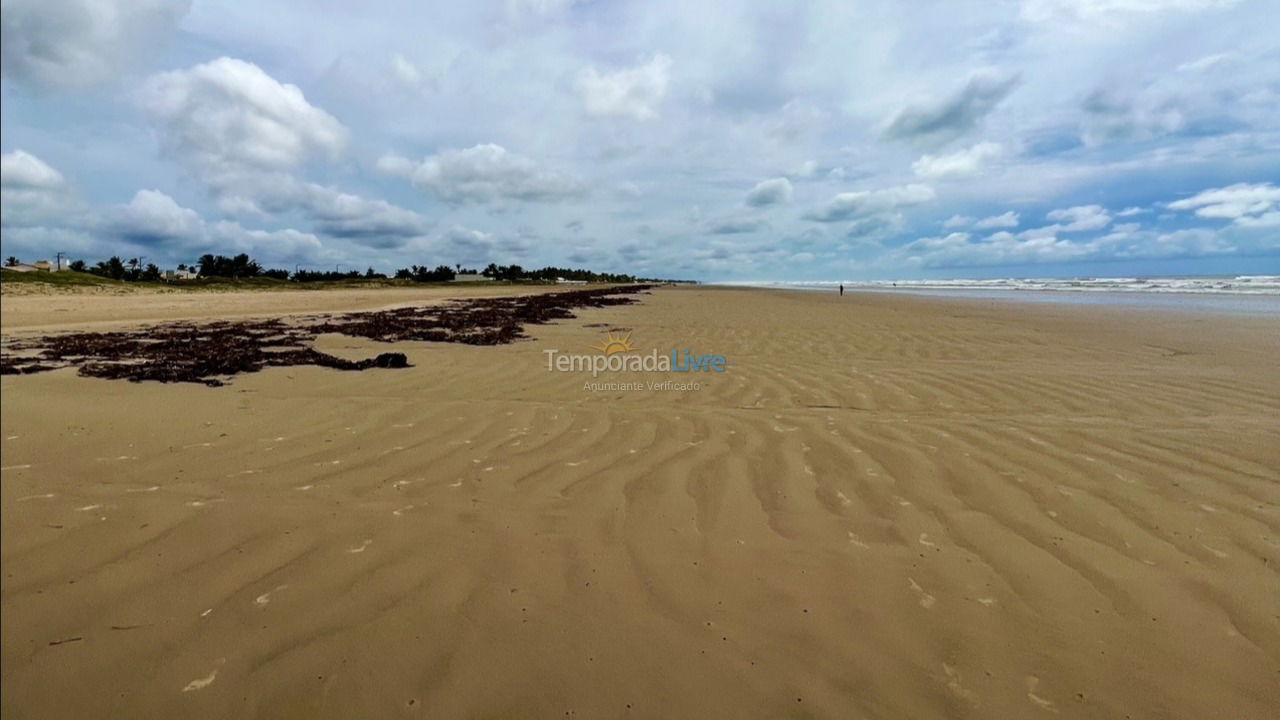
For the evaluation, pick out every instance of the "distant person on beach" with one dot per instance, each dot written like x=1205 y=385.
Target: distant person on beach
x=841 y=289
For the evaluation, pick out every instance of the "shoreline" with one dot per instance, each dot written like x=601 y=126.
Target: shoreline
x=1260 y=304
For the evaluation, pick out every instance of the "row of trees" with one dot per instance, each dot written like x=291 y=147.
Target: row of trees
x=243 y=266
x=517 y=273
x=509 y=273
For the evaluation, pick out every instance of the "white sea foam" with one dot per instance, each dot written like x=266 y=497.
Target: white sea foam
x=1224 y=284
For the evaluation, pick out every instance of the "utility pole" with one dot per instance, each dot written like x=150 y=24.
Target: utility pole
x=58 y=266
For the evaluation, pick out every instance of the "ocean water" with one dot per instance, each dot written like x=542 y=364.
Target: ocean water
x=1226 y=293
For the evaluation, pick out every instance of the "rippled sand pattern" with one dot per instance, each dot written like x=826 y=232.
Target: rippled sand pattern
x=886 y=508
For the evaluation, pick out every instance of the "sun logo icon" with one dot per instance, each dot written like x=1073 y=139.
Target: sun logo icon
x=615 y=344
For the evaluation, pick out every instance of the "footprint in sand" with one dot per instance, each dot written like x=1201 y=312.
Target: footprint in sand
x=926 y=600
x=265 y=597
x=1033 y=683
x=207 y=680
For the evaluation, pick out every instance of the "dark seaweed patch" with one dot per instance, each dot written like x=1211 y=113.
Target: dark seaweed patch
x=209 y=353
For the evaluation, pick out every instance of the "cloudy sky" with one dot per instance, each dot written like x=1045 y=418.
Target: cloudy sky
x=710 y=140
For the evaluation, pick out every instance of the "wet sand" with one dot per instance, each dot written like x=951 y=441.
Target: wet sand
x=886 y=507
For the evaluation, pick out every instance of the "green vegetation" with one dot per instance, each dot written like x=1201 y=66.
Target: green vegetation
x=241 y=271
x=67 y=278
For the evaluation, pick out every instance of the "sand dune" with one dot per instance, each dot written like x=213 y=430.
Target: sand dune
x=887 y=507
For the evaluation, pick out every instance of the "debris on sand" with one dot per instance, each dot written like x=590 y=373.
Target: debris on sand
x=209 y=353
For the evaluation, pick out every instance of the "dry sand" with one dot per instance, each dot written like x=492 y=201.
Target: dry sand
x=29 y=307
x=888 y=507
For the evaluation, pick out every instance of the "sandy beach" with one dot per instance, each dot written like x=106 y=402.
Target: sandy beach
x=884 y=507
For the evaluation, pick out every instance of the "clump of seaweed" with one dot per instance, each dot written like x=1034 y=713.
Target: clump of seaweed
x=209 y=353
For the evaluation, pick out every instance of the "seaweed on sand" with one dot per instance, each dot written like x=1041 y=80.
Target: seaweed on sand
x=210 y=352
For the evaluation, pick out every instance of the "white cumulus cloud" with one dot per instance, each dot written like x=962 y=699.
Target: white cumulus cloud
x=1003 y=220
x=483 y=173
x=21 y=169
x=632 y=92
x=30 y=189
x=770 y=192
x=228 y=115
x=962 y=163
x=850 y=204
x=1080 y=218
x=1245 y=204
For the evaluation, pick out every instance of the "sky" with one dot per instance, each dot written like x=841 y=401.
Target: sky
x=797 y=140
